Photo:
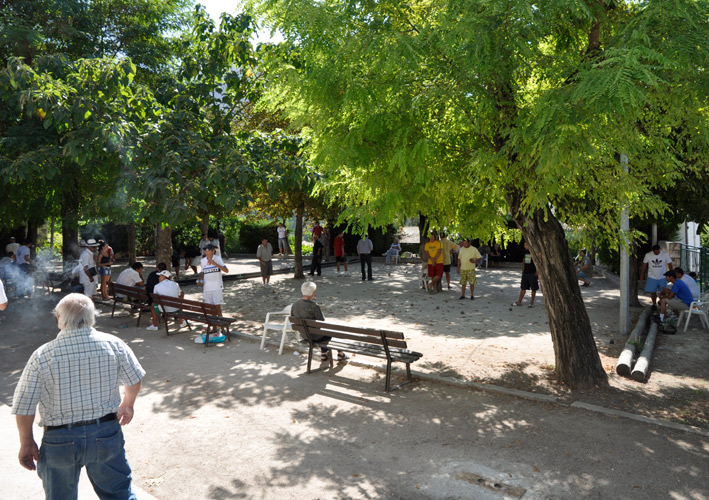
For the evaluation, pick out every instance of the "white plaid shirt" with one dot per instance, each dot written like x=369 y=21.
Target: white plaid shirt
x=76 y=377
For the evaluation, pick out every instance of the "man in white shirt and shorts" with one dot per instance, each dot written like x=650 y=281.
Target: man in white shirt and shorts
x=657 y=263
x=213 y=267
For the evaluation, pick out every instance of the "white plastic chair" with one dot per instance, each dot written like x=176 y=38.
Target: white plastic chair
x=279 y=326
x=699 y=307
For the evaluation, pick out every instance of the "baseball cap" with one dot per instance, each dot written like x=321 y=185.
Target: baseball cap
x=165 y=273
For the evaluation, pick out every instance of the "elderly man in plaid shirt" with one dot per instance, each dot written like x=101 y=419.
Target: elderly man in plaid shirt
x=75 y=380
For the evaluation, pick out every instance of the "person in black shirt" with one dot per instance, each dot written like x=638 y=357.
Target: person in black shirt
x=306 y=308
x=529 y=278
x=317 y=256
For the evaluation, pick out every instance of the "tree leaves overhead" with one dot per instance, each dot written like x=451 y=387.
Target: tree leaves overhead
x=412 y=105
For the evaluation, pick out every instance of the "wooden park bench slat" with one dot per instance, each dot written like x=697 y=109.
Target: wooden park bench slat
x=383 y=344
x=196 y=311
x=354 y=336
x=136 y=298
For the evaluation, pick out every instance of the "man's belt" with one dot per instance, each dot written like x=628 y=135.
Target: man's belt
x=105 y=418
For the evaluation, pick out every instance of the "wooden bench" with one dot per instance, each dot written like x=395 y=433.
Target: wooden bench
x=382 y=344
x=136 y=298
x=193 y=310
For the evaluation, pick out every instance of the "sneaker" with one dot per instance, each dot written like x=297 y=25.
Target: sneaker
x=461 y=297
x=152 y=328
x=586 y=284
x=339 y=273
x=347 y=273
x=183 y=323
x=472 y=298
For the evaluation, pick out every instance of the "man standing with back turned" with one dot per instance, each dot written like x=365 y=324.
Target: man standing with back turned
x=75 y=380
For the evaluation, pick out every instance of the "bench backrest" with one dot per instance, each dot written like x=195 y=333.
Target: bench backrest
x=129 y=291
x=386 y=338
x=186 y=304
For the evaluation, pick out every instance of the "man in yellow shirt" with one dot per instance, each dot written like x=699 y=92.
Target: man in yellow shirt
x=434 y=254
x=447 y=246
x=467 y=258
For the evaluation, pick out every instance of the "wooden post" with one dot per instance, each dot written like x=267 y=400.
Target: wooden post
x=626 y=358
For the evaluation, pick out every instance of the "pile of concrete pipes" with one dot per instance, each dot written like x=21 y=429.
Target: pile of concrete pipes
x=629 y=363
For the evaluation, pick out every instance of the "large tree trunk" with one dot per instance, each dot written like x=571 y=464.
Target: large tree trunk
x=70 y=221
x=130 y=244
x=576 y=357
x=163 y=245
x=298 y=241
x=32 y=233
x=204 y=225
x=423 y=222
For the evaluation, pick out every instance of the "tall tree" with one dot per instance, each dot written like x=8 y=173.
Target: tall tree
x=72 y=131
x=516 y=107
x=191 y=164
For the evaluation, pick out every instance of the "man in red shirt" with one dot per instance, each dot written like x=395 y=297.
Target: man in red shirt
x=340 y=255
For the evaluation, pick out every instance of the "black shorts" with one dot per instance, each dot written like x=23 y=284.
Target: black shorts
x=530 y=281
x=446 y=268
x=341 y=259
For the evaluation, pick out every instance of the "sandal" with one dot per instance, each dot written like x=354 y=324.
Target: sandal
x=325 y=356
x=341 y=356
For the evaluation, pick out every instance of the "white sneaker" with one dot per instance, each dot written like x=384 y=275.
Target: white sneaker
x=183 y=323
x=339 y=273
x=152 y=328
x=347 y=273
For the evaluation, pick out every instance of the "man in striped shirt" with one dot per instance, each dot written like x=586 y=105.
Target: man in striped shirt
x=75 y=381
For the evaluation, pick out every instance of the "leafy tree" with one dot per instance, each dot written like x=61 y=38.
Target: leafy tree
x=474 y=109
x=72 y=133
x=191 y=164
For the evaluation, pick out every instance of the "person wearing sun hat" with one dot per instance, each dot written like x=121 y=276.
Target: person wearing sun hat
x=87 y=271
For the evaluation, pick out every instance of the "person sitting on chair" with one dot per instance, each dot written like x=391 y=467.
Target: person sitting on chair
x=393 y=251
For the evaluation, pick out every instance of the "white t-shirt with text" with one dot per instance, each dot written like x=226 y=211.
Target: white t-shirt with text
x=212 y=274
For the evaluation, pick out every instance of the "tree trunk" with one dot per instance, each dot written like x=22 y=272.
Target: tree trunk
x=298 y=241
x=204 y=224
x=423 y=221
x=163 y=245
x=32 y=231
x=130 y=244
x=70 y=221
x=576 y=357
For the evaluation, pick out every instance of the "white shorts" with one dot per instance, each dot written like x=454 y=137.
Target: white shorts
x=196 y=261
x=213 y=297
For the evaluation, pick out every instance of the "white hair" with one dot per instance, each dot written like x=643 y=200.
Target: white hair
x=308 y=288
x=74 y=311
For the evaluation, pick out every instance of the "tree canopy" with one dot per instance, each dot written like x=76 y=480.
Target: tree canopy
x=470 y=110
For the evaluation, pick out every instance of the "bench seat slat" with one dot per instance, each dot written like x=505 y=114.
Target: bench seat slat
x=193 y=310
x=350 y=329
x=369 y=350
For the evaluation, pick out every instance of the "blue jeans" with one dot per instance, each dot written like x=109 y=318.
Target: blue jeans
x=99 y=448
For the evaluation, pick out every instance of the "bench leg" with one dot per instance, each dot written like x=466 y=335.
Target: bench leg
x=114 y=307
x=408 y=371
x=388 y=379
x=310 y=358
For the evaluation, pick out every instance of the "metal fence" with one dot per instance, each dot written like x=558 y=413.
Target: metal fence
x=696 y=259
